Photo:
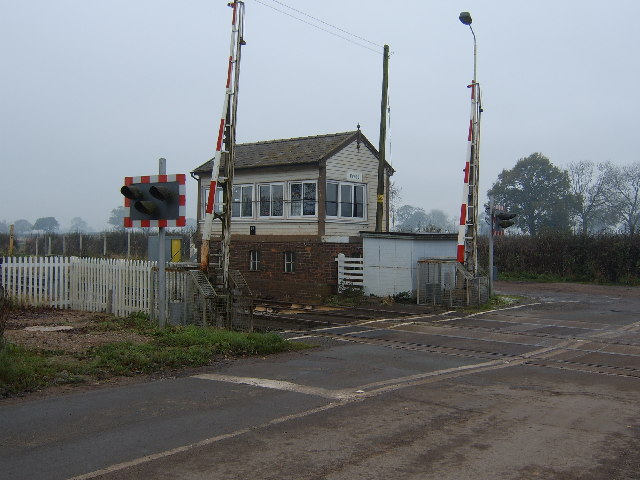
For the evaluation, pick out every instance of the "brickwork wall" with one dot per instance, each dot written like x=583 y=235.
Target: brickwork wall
x=315 y=272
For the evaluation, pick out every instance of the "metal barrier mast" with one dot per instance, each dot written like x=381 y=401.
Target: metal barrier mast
x=227 y=125
x=468 y=228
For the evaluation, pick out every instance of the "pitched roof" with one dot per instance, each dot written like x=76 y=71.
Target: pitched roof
x=290 y=151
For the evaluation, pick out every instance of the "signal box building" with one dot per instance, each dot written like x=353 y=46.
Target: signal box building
x=298 y=203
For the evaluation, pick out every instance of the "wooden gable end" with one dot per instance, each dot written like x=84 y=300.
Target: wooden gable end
x=357 y=166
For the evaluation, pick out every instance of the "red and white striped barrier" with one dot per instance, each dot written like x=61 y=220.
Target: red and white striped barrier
x=464 y=209
x=215 y=167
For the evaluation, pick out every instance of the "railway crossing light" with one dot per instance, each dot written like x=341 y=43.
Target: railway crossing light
x=139 y=197
x=154 y=201
x=504 y=219
x=500 y=219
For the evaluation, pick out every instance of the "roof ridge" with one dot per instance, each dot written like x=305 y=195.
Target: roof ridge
x=295 y=139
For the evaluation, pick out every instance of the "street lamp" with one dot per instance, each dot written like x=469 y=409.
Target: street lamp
x=465 y=18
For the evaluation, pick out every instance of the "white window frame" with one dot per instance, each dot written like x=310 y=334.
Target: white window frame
x=217 y=206
x=243 y=186
x=302 y=200
x=289 y=262
x=259 y=199
x=254 y=260
x=339 y=201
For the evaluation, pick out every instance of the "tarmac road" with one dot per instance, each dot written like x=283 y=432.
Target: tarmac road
x=546 y=390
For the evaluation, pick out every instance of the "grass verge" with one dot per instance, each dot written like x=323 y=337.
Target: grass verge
x=23 y=370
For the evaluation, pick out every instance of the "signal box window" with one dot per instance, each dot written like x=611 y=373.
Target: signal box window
x=242 y=201
x=271 y=200
x=217 y=206
x=303 y=198
x=345 y=200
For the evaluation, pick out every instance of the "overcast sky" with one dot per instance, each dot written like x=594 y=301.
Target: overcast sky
x=93 y=91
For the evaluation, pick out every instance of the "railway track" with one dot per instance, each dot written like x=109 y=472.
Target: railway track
x=312 y=316
x=601 y=367
x=616 y=356
x=276 y=315
x=453 y=334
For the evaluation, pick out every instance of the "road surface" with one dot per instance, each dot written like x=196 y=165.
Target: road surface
x=548 y=389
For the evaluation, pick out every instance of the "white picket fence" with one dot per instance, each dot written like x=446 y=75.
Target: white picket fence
x=350 y=272
x=89 y=284
x=104 y=285
x=37 y=281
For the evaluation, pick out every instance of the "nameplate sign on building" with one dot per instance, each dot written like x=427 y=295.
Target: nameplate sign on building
x=354 y=176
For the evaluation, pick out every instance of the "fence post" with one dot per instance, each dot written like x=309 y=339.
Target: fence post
x=340 y=261
x=418 y=282
x=110 y=301
x=11 y=240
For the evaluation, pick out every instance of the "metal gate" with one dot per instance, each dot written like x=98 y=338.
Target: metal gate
x=447 y=283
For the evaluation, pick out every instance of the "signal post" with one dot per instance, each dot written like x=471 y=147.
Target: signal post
x=156 y=201
x=499 y=219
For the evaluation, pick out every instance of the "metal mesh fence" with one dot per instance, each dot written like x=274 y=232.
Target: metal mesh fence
x=446 y=283
x=192 y=300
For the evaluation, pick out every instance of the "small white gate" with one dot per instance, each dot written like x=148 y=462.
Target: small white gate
x=350 y=272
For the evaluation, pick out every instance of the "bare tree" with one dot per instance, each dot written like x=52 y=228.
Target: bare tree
x=116 y=219
x=22 y=226
x=590 y=186
x=416 y=219
x=78 y=225
x=47 y=224
x=624 y=197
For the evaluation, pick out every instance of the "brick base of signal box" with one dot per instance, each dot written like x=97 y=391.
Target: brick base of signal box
x=315 y=270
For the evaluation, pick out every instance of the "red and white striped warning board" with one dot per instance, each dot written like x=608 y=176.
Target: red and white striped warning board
x=178 y=220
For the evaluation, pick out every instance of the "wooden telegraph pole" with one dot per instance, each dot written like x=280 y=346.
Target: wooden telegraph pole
x=382 y=142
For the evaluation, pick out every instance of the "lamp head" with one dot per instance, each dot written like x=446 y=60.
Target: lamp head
x=465 y=17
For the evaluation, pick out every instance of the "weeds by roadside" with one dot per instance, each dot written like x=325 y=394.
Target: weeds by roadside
x=349 y=296
x=23 y=370
x=496 y=301
x=6 y=305
x=137 y=322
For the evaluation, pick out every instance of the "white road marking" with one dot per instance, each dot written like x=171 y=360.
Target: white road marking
x=279 y=385
x=359 y=394
x=201 y=443
x=491 y=311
